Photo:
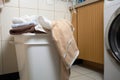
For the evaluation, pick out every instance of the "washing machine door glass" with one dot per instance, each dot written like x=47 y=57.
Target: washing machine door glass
x=114 y=38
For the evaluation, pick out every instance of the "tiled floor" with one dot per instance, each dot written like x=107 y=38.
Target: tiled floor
x=83 y=73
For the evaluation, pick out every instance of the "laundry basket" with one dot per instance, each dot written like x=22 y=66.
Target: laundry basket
x=37 y=57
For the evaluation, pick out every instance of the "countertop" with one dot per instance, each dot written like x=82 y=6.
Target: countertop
x=84 y=3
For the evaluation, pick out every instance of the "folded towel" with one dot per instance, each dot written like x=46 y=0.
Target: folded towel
x=46 y=23
x=39 y=28
x=20 y=30
x=16 y=20
x=24 y=29
x=23 y=24
x=41 y=24
x=24 y=19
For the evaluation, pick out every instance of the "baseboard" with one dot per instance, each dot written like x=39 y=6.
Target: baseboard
x=78 y=61
x=93 y=65
x=10 y=76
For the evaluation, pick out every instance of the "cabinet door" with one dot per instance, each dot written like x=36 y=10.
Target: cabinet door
x=74 y=22
x=90 y=32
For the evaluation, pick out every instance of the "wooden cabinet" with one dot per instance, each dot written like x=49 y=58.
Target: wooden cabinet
x=89 y=32
x=74 y=22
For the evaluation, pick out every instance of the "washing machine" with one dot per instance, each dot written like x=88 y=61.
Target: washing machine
x=112 y=40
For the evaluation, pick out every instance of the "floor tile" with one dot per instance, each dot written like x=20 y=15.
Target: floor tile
x=84 y=73
x=82 y=78
x=82 y=70
x=75 y=74
x=96 y=75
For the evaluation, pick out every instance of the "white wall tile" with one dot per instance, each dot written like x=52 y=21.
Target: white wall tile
x=9 y=58
x=7 y=15
x=29 y=12
x=29 y=4
x=0 y=59
x=60 y=5
x=51 y=9
x=46 y=4
x=0 y=29
x=47 y=14
x=59 y=15
x=13 y=3
x=68 y=16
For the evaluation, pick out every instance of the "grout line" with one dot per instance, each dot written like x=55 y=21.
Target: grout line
x=86 y=74
x=19 y=7
x=38 y=7
x=80 y=77
x=54 y=8
x=45 y=10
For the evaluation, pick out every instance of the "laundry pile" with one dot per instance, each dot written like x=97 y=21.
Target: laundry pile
x=61 y=32
x=30 y=24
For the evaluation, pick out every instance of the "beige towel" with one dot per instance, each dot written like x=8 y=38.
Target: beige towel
x=62 y=33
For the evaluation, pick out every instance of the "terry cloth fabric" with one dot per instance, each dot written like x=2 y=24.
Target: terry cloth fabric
x=23 y=24
x=24 y=29
x=42 y=23
x=46 y=23
x=62 y=33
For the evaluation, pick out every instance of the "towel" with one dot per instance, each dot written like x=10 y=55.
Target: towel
x=42 y=23
x=24 y=19
x=62 y=33
x=46 y=23
x=23 y=24
x=24 y=29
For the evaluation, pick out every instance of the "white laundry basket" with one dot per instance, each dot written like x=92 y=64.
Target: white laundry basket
x=37 y=57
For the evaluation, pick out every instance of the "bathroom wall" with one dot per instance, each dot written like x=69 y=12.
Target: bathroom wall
x=52 y=9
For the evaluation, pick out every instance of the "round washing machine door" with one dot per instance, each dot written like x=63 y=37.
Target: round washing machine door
x=113 y=35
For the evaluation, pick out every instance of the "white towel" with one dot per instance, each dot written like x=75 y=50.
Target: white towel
x=16 y=20
x=23 y=24
x=41 y=22
x=46 y=23
x=39 y=28
x=24 y=19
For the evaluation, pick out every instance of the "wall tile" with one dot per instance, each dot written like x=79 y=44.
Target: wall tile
x=7 y=15
x=52 y=9
x=0 y=59
x=59 y=15
x=0 y=29
x=29 y=12
x=29 y=4
x=46 y=4
x=9 y=58
x=13 y=3
x=47 y=14
x=60 y=5
x=68 y=16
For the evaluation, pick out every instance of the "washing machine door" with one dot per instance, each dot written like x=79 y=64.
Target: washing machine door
x=113 y=35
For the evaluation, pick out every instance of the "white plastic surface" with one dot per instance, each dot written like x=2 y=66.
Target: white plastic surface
x=37 y=57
